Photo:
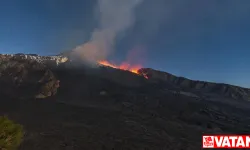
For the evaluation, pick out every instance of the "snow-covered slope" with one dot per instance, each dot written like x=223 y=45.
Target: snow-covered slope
x=41 y=59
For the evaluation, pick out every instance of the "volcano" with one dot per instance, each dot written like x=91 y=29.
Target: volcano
x=65 y=104
x=123 y=66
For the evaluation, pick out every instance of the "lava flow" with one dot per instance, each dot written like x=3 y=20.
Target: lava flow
x=123 y=66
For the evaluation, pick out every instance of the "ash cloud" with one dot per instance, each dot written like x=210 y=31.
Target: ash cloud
x=155 y=24
x=114 y=17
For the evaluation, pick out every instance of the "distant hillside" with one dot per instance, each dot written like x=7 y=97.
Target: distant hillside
x=230 y=91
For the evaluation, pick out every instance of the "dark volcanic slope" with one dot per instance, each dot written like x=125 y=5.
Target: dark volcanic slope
x=109 y=109
x=230 y=91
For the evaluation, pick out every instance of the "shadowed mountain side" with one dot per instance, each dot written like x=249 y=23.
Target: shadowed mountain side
x=229 y=91
x=103 y=108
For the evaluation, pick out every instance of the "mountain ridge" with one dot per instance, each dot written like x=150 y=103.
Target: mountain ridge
x=186 y=78
x=231 y=91
x=165 y=79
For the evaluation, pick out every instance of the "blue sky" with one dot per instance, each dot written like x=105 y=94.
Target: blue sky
x=198 y=39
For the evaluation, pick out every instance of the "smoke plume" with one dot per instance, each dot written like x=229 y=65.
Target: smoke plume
x=114 y=17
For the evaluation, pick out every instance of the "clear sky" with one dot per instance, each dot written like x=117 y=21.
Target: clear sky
x=198 y=39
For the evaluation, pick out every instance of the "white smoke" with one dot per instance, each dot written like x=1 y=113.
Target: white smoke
x=114 y=17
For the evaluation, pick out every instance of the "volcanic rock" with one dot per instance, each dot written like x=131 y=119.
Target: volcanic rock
x=26 y=78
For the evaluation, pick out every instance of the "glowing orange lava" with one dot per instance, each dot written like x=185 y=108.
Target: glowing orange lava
x=123 y=66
